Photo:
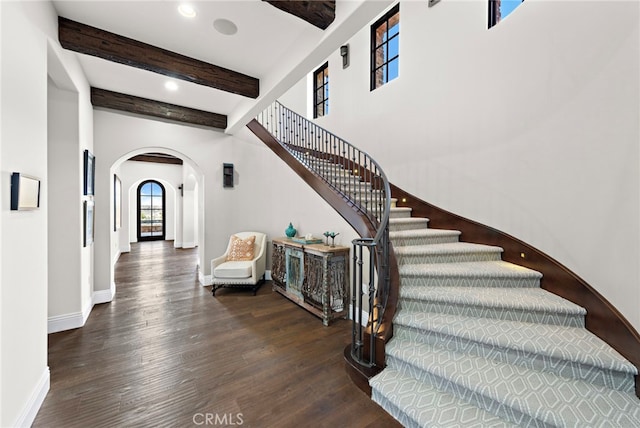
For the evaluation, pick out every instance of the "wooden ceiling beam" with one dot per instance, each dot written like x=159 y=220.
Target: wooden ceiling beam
x=320 y=13
x=113 y=47
x=151 y=157
x=146 y=107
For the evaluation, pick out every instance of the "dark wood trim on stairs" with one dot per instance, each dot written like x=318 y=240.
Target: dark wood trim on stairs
x=602 y=319
x=147 y=107
x=356 y=219
x=364 y=228
x=93 y=41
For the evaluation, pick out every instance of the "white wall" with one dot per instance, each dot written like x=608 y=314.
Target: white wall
x=65 y=208
x=24 y=375
x=29 y=53
x=70 y=133
x=189 y=209
x=531 y=127
x=266 y=196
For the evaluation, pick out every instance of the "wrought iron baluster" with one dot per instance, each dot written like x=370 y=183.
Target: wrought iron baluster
x=367 y=188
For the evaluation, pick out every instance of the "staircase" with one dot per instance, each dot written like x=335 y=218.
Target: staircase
x=477 y=342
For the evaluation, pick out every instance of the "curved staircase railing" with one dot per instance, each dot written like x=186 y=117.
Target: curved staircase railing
x=358 y=178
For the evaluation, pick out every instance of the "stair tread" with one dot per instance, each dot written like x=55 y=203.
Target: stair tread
x=490 y=269
x=564 y=343
x=531 y=299
x=399 y=234
x=451 y=247
x=545 y=396
x=428 y=406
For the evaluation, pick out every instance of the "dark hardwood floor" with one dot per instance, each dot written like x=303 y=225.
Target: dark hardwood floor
x=165 y=353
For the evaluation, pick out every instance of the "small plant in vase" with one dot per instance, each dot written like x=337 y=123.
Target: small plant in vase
x=331 y=235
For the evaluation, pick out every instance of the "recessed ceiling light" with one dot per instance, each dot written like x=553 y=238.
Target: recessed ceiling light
x=171 y=85
x=187 y=11
x=226 y=27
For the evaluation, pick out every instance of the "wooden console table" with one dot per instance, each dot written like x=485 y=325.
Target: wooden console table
x=315 y=276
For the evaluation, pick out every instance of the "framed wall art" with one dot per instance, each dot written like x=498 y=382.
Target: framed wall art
x=89 y=222
x=89 y=172
x=25 y=192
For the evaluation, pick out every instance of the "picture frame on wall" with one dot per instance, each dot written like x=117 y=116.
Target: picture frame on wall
x=89 y=172
x=89 y=223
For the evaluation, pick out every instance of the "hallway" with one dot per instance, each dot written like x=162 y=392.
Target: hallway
x=166 y=353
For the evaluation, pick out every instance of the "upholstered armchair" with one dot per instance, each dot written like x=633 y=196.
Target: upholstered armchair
x=243 y=264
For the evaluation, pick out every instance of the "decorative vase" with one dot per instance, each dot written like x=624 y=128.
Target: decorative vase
x=290 y=231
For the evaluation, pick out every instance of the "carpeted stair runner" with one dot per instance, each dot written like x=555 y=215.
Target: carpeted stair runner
x=478 y=343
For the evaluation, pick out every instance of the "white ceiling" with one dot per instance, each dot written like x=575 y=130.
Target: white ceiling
x=270 y=45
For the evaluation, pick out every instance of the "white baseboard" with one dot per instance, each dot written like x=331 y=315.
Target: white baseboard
x=69 y=321
x=64 y=322
x=177 y=244
x=267 y=275
x=116 y=256
x=189 y=245
x=31 y=408
x=104 y=296
x=204 y=279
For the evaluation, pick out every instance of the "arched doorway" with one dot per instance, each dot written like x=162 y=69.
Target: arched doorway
x=151 y=211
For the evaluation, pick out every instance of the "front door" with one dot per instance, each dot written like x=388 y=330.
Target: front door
x=151 y=205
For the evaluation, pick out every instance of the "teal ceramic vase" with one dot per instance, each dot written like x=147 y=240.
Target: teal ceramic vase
x=290 y=231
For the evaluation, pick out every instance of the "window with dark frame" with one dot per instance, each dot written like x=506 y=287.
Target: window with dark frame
x=500 y=9
x=321 y=91
x=151 y=207
x=385 y=48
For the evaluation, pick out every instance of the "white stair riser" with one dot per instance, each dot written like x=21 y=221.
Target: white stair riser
x=531 y=360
